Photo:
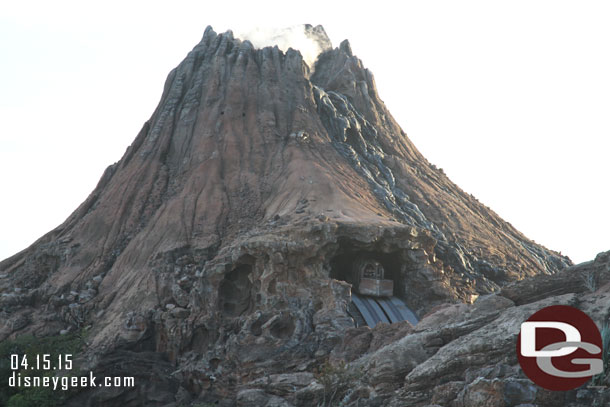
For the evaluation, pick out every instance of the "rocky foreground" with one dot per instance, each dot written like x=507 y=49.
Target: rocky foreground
x=211 y=261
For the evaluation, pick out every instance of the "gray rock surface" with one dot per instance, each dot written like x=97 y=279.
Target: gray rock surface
x=212 y=256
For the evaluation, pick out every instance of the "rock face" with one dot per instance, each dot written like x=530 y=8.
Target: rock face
x=221 y=242
x=464 y=355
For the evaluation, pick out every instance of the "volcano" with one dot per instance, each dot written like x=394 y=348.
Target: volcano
x=217 y=254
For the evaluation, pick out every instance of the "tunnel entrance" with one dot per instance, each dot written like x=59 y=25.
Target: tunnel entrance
x=349 y=256
x=377 y=283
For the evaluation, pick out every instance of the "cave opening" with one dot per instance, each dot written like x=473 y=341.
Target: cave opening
x=349 y=252
x=376 y=273
x=236 y=291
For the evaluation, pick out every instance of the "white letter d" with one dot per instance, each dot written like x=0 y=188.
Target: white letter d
x=528 y=338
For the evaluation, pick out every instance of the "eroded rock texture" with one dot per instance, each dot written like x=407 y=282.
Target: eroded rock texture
x=220 y=244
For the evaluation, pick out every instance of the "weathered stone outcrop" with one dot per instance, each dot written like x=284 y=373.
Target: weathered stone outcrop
x=464 y=355
x=221 y=240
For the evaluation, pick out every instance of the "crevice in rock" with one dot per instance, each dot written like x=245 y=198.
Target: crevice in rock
x=235 y=292
x=283 y=327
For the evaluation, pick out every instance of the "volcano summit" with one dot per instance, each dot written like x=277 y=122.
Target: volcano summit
x=215 y=260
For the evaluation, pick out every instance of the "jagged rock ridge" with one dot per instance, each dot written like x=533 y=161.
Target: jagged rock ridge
x=221 y=238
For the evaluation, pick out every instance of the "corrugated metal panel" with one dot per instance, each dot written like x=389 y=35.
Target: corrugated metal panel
x=405 y=312
x=389 y=310
x=370 y=310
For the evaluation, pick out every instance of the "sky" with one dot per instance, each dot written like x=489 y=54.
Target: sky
x=511 y=99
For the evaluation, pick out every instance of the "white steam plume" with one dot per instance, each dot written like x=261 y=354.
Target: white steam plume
x=310 y=41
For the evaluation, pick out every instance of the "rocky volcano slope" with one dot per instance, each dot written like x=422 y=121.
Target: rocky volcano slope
x=215 y=249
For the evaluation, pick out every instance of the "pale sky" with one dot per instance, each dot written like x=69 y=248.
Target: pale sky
x=511 y=98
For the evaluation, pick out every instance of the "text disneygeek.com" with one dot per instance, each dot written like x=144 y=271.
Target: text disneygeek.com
x=66 y=382
x=20 y=365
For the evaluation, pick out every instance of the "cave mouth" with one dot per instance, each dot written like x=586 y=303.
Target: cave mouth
x=350 y=251
x=368 y=267
x=236 y=291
